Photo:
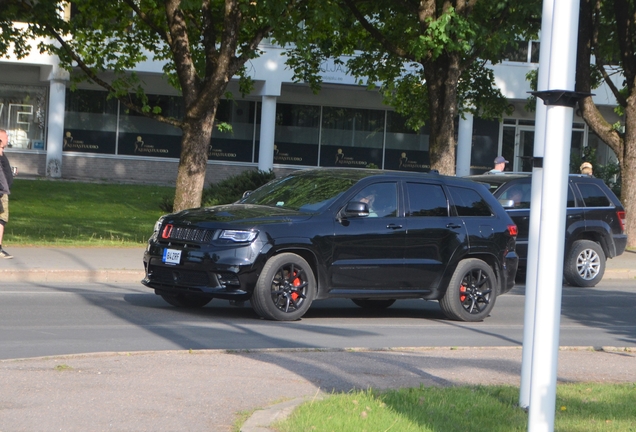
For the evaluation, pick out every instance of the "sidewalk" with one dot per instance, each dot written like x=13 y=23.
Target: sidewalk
x=50 y=264
x=80 y=265
x=206 y=390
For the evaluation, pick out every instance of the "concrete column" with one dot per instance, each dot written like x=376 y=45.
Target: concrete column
x=464 y=145
x=55 y=133
x=268 y=131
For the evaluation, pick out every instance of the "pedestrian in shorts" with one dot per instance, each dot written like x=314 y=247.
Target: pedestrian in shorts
x=6 y=180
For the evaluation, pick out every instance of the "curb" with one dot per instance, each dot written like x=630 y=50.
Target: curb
x=77 y=276
x=620 y=274
x=261 y=419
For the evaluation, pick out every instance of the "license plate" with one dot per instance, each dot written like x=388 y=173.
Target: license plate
x=171 y=256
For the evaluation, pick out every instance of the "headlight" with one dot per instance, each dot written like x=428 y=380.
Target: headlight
x=238 y=236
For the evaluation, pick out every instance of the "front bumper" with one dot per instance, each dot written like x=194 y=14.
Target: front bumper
x=229 y=273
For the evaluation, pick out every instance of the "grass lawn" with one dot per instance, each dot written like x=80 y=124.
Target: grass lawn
x=68 y=213
x=579 y=408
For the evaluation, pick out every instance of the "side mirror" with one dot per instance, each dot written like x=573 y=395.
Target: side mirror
x=507 y=203
x=355 y=209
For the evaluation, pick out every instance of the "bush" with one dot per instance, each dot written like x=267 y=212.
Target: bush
x=232 y=188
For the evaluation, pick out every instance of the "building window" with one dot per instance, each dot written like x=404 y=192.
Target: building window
x=351 y=137
x=142 y=136
x=90 y=122
x=484 y=146
x=297 y=134
x=406 y=149
x=22 y=115
x=236 y=145
x=523 y=51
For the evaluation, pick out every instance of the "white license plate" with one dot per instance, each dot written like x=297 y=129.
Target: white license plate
x=171 y=256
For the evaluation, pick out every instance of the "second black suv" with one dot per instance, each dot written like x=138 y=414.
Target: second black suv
x=368 y=235
x=595 y=224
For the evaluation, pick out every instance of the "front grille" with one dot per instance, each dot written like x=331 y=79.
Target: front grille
x=173 y=276
x=198 y=235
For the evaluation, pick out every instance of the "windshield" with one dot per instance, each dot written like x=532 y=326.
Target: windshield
x=309 y=193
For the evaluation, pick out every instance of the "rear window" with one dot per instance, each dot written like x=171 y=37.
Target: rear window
x=593 y=196
x=426 y=200
x=468 y=202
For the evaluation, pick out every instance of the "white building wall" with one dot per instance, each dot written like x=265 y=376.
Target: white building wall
x=273 y=79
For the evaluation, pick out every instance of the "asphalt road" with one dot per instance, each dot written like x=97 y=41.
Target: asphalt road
x=60 y=318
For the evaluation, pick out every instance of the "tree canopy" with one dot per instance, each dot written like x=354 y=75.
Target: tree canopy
x=202 y=45
x=429 y=58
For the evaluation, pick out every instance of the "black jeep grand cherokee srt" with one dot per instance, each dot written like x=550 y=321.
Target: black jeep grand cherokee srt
x=368 y=235
x=595 y=224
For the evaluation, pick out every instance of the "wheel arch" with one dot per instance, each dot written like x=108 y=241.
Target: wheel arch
x=596 y=235
x=489 y=259
x=495 y=265
x=308 y=255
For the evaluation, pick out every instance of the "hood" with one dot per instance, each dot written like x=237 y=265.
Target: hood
x=236 y=214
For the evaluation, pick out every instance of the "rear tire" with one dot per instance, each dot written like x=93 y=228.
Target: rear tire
x=471 y=293
x=285 y=289
x=373 y=304
x=585 y=264
x=185 y=300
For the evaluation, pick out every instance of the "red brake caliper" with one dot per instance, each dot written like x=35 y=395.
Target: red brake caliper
x=296 y=283
x=462 y=289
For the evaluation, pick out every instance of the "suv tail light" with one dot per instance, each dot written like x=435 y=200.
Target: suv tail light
x=621 y=219
x=512 y=230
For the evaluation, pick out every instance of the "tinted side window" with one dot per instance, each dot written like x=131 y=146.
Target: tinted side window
x=519 y=193
x=468 y=202
x=593 y=195
x=381 y=199
x=426 y=200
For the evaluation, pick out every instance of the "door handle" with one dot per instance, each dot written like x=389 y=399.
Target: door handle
x=453 y=225
x=393 y=226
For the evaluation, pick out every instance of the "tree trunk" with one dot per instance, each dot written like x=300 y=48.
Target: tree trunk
x=193 y=161
x=628 y=168
x=442 y=77
x=624 y=146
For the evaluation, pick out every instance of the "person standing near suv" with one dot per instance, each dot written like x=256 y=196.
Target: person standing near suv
x=500 y=165
x=586 y=168
x=6 y=180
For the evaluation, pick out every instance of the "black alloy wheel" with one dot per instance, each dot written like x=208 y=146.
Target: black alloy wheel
x=285 y=288
x=471 y=293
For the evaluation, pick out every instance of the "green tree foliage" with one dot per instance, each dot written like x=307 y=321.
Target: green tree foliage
x=429 y=58
x=232 y=188
x=202 y=45
x=607 y=49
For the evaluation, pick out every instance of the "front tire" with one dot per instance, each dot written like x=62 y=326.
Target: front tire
x=471 y=292
x=285 y=288
x=585 y=264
